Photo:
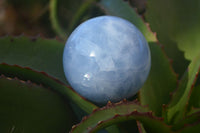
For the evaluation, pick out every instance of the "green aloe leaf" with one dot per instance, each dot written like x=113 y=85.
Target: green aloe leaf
x=191 y=119
x=28 y=74
x=162 y=17
x=40 y=56
x=194 y=101
x=140 y=127
x=157 y=89
x=80 y=13
x=30 y=108
x=120 y=112
x=177 y=108
x=193 y=111
x=66 y=15
x=177 y=21
x=53 y=4
x=193 y=128
x=37 y=53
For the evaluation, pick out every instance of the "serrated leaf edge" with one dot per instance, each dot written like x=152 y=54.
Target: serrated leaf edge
x=28 y=82
x=45 y=75
x=112 y=105
x=134 y=113
x=190 y=86
x=181 y=125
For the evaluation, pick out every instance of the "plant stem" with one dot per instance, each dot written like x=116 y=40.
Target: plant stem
x=79 y=14
x=54 y=20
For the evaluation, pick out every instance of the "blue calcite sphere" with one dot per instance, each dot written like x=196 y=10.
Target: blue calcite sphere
x=106 y=59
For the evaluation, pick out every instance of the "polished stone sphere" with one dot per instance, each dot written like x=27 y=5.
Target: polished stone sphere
x=106 y=59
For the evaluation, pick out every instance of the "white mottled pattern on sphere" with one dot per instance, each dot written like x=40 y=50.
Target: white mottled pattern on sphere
x=106 y=58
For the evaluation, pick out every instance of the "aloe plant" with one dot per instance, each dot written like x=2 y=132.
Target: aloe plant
x=35 y=96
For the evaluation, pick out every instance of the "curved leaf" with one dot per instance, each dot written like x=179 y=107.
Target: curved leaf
x=194 y=128
x=160 y=83
x=54 y=20
x=141 y=127
x=162 y=17
x=177 y=107
x=47 y=81
x=189 y=120
x=37 y=53
x=27 y=107
x=194 y=101
x=65 y=15
x=178 y=21
x=120 y=112
x=79 y=14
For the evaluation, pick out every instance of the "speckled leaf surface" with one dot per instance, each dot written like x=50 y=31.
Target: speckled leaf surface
x=157 y=88
x=37 y=53
x=29 y=108
x=120 y=112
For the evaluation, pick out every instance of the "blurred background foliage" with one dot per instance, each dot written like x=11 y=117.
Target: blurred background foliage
x=33 y=17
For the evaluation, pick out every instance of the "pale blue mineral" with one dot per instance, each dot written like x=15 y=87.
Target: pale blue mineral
x=106 y=59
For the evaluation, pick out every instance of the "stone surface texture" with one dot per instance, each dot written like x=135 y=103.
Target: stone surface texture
x=106 y=59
